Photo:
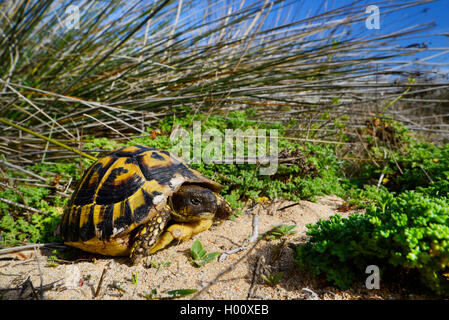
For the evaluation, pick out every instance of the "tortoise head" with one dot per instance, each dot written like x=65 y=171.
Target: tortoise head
x=194 y=202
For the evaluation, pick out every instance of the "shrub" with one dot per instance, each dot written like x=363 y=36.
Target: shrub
x=407 y=163
x=32 y=227
x=409 y=232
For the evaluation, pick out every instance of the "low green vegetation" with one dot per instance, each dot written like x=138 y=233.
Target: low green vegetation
x=404 y=229
x=408 y=232
x=159 y=265
x=200 y=256
x=134 y=279
x=279 y=232
x=312 y=172
x=29 y=227
x=272 y=279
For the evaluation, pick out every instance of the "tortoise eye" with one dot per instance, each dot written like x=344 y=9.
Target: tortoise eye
x=195 y=201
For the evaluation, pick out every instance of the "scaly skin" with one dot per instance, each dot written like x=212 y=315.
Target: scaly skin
x=180 y=232
x=149 y=239
x=147 y=236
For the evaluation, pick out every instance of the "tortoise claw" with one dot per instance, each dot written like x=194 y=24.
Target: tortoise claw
x=148 y=235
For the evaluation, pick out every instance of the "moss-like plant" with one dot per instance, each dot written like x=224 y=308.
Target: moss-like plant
x=408 y=232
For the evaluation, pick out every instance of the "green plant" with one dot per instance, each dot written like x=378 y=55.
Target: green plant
x=279 y=232
x=18 y=225
x=159 y=265
x=405 y=162
x=272 y=279
x=200 y=256
x=439 y=189
x=363 y=197
x=52 y=260
x=29 y=228
x=179 y=293
x=134 y=278
x=408 y=232
x=171 y=294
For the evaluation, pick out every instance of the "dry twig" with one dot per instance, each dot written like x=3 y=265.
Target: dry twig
x=254 y=235
x=100 y=282
x=23 y=206
x=40 y=273
x=31 y=246
x=258 y=271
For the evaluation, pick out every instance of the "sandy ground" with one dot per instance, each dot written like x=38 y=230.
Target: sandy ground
x=172 y=268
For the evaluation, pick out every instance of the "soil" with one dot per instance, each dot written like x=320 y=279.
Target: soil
x=238 y=276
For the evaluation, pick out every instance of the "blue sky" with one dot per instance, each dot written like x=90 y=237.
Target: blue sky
x=437 y=11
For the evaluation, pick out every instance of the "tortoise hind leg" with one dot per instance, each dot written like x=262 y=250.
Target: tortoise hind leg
x=146 y=238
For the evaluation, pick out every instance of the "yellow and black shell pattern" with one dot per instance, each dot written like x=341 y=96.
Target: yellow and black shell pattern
x=124 y=190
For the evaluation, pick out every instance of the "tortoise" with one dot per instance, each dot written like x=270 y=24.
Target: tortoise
x=136 y=201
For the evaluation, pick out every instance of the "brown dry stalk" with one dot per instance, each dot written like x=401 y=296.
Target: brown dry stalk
x=105 y=269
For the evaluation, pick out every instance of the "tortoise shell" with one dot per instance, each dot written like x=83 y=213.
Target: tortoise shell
x=122 y=191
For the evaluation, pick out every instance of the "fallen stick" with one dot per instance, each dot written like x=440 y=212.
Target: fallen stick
x=31 y=246
x=289 y=206
x=23 y=170
x=257 y=272
x=41 y=292
x=28 y=284
x=425 y=172
x=23 y=206
x=314 y=295
x=251 y=239
x=44 y=287
x=105 y=269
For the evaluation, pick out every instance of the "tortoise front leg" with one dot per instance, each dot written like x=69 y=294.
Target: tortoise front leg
x=148 y=236
x=181 y=232
x=151 y=238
